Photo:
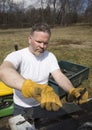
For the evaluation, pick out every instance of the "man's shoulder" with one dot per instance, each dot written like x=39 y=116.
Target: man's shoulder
x=23 y=50
x=17 y=53
x=20 y=52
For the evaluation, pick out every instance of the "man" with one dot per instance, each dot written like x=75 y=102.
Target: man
x=27 y=71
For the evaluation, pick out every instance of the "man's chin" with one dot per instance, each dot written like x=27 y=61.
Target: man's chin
x=38 y=53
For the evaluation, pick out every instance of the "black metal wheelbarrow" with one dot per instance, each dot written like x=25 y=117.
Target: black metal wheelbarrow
x=69 y=117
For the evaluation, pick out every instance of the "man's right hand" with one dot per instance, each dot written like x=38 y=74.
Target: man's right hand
x=50 y=100
x=43 y=93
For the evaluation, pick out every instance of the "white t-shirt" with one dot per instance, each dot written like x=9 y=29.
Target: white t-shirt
x=32 y=67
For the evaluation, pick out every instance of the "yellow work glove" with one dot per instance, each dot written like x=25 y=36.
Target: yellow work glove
x=78 y=95
x=32 y=89
x=43 y=93
x=50 y=100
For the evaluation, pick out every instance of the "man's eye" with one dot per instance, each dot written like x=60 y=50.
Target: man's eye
x=39 y=41
x=45 y=43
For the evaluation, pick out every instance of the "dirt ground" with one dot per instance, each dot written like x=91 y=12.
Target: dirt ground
x=4 y=123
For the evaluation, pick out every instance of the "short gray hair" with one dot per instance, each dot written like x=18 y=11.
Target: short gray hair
x=44 y=27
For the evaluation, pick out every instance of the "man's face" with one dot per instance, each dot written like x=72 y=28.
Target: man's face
x=38 y=42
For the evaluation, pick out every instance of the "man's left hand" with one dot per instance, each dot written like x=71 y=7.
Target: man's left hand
x=78 y=95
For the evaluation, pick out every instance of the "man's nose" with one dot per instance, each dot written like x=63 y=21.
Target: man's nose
x=42 y=44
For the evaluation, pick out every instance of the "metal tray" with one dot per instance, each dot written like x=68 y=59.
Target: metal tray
x=75 y=72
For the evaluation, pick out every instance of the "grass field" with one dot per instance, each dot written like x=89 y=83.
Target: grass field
x=72 y=43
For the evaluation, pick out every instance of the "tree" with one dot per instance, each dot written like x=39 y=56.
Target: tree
x=88 y=12
x=69 y=11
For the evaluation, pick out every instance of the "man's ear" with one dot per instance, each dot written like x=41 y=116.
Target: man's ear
x=29 y=39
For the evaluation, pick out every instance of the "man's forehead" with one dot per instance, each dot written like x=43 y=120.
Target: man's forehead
x=38 y=33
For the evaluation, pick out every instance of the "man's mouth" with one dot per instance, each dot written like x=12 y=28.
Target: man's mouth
x=40 y=50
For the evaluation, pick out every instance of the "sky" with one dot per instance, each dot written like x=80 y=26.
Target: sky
x=28 y=2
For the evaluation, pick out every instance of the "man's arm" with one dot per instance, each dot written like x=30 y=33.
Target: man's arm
x=10 y=76
x=62 y=80
x=78 y=95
